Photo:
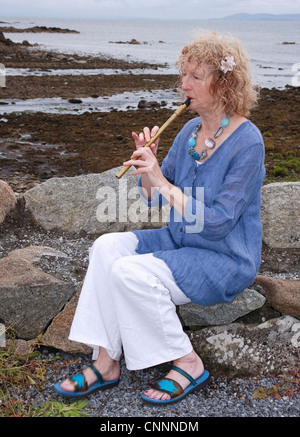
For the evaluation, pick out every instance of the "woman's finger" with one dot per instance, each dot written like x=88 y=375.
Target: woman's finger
x=136 y=163
x=154 y=131
x=138 y=139
x=147 y=134
x=145 y=152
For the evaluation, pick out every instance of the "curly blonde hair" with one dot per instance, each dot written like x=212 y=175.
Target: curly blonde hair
x=234 y=90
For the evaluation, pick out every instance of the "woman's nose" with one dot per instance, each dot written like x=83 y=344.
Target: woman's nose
x=185 y=83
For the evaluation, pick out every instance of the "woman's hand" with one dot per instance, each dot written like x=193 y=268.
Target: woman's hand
x=144 y=138
x=144 y=158
x=147 y=165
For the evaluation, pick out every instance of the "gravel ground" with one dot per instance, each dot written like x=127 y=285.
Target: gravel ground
x=222 y=397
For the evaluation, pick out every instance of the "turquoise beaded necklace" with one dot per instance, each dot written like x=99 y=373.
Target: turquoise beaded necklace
x=209 y=142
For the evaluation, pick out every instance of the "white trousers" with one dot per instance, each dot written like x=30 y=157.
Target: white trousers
x=128 y=301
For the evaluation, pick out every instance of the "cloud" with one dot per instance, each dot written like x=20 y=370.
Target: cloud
x=145 y=8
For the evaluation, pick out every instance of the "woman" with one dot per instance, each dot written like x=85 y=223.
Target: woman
x=210 y=250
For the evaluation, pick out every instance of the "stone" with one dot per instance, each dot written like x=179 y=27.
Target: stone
x=145 y=104
x=20 y=347
x=100 y=203
x=280 y=212
x=250 y=350
x=191 y=315
x=281 y=324
x=284 y=294
x=30 y=298
x=8 y=200
x=75 y=101
x=33 y=254
x=93 y=203
x=222 y=313
x=57 y=333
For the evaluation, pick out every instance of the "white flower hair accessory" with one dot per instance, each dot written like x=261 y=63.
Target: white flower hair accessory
x=228 y=64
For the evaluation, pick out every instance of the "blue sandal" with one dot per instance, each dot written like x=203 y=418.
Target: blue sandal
x=81 y=387
x=174 y=389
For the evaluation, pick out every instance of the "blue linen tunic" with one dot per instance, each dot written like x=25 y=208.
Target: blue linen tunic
x=214 y=261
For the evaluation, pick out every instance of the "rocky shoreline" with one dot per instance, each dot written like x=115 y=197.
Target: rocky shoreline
x=36 y=146
x=35 y=29
x=40 y=150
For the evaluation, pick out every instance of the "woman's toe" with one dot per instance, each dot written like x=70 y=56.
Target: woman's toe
x=154 y=394
x=67 y=385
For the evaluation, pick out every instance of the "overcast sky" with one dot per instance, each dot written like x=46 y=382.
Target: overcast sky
x=163 y=9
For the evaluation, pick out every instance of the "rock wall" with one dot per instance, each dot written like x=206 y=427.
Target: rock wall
x=36 y=303
x=81 y=203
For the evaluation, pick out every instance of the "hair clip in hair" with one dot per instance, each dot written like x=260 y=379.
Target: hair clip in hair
x=228 y=64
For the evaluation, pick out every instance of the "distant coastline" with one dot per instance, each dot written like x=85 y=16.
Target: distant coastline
x=262 y=17
x=234 y=17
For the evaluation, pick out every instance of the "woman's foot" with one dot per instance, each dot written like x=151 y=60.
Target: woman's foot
x=191 y=363
x=107 y=367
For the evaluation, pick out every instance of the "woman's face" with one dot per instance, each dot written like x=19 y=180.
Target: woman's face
x=195 y=84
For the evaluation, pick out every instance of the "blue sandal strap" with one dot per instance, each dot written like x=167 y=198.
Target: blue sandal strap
x=192 y=381
x=79 y=381
x=97 y=373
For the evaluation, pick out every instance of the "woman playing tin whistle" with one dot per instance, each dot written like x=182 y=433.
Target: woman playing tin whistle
x=136 y=279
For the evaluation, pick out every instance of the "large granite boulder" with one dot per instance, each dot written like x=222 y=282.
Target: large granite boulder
x=93 y=203
x=29 y=297
x=222 y=313
x=250 y=350
x=280 y=212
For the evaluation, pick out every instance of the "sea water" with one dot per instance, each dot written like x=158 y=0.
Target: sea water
x=162 y=40
x=274 y=64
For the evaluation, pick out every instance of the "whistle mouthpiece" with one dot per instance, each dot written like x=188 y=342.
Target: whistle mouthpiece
x=187 y=102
